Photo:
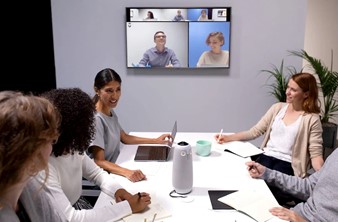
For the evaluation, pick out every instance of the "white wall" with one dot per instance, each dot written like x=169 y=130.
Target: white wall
x=321 y=35
x=90 y=35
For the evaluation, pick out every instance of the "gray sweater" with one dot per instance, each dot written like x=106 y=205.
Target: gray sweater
x=319 y=191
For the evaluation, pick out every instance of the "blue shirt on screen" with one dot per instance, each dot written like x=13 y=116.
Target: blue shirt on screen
x=154 y=58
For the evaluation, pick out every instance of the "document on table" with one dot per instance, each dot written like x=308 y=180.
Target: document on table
x=252 y=203
x=148 y=214
x=243 y=149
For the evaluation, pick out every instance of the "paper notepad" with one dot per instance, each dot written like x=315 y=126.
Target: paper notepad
x=243 y=149
x=148 y=214
x=252 y=203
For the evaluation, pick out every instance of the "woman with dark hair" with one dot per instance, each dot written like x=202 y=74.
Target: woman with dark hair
x=69 y=163
x=28 y=127
x=293 y=131
x=105 y=147
x=150 y=15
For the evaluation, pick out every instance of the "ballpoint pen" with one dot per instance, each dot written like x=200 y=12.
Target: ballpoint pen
x=220 y=134
x=139 y=195
x=154 y=217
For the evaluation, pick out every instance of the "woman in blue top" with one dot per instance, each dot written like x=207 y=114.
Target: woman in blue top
x=105 y=146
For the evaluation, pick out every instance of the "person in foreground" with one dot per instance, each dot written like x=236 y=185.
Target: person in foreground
x=105 y=146
x=319 y=191
x=28 y=127
x=216 y=56
x=69 y=163
x=160 y=55
x=293 y=133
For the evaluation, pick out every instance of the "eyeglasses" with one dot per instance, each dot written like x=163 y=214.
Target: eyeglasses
x=161 y=36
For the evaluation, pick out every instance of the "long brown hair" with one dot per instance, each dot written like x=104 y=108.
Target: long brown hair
x=307 y=82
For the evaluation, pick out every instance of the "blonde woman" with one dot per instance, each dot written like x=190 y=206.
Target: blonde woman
x=216 y=56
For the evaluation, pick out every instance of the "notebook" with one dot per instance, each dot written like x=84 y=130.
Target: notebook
x=156 y=152
x=214 y=195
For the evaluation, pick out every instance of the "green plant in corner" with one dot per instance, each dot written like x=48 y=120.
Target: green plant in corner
x=278 y=87
x=328 y=83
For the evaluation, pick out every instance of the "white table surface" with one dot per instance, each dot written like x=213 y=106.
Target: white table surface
x=218 y=171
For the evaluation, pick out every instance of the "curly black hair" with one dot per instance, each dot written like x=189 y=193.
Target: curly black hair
x=77 y=127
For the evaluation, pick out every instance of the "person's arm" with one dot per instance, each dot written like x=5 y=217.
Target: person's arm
x=99 y=158
x=145 y=60
x=64 y=206
x=130 y=139
x=317 y=162
x=174 y=60
x=201 y=60
x=286 y=214
x=259 y=129
x=299 y=187
x=316 y=143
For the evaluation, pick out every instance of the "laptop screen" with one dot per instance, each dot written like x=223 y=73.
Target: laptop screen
x=173 y=134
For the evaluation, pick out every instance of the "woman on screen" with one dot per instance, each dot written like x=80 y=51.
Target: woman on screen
x=203 y=16
x=150 y=15
x=105 y=147
x=216 y=56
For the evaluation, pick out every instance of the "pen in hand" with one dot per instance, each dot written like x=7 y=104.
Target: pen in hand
x=220 y=135
x=139 y=195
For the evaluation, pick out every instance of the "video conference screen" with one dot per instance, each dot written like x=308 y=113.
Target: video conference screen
x=178 y=37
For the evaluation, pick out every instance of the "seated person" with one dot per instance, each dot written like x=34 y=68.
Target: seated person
x=216 y=56
x=150 y=15
x=203 y=16
x=28 y=128
x=105 y=147
x=69 y=163
x=292 y=132
x=319 y=191
x=160 y=55
x=179 y=17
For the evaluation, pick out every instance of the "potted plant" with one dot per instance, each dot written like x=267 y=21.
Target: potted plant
x=328 y=83
x=281 y=79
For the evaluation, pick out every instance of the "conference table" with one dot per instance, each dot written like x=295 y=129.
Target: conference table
x=219 y=171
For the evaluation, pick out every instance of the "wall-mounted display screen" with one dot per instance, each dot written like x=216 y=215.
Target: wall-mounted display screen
x=178 y=37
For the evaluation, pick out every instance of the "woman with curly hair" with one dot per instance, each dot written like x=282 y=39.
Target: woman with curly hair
x=28 y=127
x=69 y=163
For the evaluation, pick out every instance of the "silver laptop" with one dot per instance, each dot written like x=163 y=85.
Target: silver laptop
x=156 y=152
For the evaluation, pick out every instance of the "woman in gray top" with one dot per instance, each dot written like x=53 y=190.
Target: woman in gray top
x=318 y=191
x=105 y=147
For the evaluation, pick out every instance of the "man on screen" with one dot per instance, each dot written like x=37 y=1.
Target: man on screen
x=159 y=56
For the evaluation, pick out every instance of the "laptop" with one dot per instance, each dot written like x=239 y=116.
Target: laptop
x=156 y=152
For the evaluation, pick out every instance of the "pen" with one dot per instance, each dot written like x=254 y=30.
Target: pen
x=252 y=166
x=154 y=217
x=139 y=195
x=220 y=134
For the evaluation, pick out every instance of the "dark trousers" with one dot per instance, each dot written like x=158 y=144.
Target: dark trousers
x=283 y=198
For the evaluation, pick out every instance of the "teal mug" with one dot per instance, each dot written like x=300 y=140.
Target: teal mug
x=203 y=147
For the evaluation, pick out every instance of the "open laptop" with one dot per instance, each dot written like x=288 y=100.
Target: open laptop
x=156 y=152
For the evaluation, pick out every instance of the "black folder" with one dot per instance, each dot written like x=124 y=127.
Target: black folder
x=214 y=195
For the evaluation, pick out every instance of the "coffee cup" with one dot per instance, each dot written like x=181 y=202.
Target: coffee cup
x=203 y=147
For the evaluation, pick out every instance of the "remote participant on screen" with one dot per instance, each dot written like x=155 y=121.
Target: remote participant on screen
x=160 y=55
x=216 y=56
x=178 y=17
